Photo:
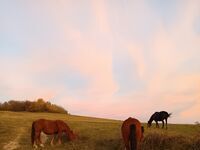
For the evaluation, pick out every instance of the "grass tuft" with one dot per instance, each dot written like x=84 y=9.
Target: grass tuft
x=161 y=141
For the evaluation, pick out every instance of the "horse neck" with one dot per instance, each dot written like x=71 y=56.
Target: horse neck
x=151 y=119
x=67 y=130
x=69 y=133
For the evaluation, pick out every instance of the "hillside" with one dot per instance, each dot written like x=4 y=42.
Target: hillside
x=94 y=133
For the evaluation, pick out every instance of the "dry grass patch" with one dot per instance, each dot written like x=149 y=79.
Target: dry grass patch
x=161 y=141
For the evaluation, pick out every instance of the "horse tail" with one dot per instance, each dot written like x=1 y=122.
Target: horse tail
x=32 y=133
x=133 y=140
x=169 y=115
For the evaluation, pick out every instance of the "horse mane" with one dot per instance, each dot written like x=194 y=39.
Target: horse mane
x=152 y=117
x=133 y=140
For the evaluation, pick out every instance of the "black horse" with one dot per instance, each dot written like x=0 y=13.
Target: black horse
x=159 y=116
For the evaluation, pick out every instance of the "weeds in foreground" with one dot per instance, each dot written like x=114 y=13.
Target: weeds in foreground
x=161 y=141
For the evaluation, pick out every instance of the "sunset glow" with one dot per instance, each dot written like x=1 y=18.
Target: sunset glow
x=109 y=59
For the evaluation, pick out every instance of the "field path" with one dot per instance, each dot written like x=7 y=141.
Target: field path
x=14 y=144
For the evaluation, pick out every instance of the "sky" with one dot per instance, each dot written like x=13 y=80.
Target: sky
x=105 y=58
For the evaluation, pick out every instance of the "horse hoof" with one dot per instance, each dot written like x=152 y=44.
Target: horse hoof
x=35 y=146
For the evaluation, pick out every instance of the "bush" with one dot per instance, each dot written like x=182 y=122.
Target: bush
x=36 y=106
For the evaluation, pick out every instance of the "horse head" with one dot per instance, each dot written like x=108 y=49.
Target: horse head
x=72 y=135
x=149 y=124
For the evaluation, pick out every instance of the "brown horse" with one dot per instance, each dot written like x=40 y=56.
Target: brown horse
x=50 y=127
x=132 y=133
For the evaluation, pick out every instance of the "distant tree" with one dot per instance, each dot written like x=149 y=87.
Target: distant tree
x=197 y=123
x=5 y=106
x=27 y=105
x=16 y=105
x=48 y=106
x=37 y=106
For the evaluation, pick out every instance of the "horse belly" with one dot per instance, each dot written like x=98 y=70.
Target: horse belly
x=50 y=131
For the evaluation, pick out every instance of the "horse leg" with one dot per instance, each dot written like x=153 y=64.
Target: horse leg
x=36 y=139
x=35 y=142
x=166 y=123
x=138 y=145
x=59 y=137
x=163 y=124
x=157 y=125
x=127 y=146
x=52 y=140
x=40 y=141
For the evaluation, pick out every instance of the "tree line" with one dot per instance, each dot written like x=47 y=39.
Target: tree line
x=32 y=106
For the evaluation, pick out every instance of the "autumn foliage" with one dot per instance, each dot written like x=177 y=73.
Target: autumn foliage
x=31 y=106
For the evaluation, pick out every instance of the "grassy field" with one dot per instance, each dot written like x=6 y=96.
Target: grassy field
x=94 y=133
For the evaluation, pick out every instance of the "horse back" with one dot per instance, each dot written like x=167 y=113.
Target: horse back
x=47 y=126
x=163 y=115
x=160 y=116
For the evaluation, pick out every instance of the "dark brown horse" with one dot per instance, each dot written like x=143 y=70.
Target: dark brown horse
x=159 y=116
x=132 y=133
x=50 y=127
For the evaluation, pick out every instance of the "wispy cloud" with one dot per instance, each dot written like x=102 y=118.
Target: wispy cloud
x=104 y=59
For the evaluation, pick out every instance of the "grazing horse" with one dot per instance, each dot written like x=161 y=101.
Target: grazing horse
x=50 y=127
x=159 y=116
x=132 y=133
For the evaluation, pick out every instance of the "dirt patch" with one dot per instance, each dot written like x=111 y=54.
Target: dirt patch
x=14 y=144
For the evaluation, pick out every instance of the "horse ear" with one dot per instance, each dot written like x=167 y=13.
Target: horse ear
x=142 y=128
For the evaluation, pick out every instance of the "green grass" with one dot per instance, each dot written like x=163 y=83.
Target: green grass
x=94 y=133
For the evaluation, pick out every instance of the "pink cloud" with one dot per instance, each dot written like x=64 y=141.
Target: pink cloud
x=137 y=54
x=100 y=12
x=91 y=54
x=193 y=112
